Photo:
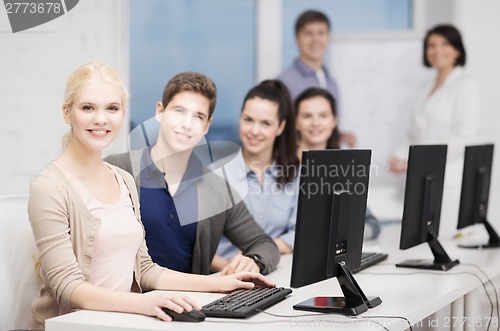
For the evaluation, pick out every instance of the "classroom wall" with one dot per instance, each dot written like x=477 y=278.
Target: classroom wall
x=34 y=65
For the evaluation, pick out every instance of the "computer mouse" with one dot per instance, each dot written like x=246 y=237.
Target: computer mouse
x=192 y=316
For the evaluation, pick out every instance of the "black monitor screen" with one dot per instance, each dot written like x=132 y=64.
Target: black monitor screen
x=330 y=225
x=423 y=194
x=475 y=185
x=422 y=205
x=475 y=192
x=324 y=172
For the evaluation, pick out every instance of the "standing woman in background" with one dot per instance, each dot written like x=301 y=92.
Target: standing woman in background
x=85 y=217
x=448 y=113
x=269 y=147
x=316 y=123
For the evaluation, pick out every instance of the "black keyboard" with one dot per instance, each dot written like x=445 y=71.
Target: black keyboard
x=244 y=303
x=370 y=258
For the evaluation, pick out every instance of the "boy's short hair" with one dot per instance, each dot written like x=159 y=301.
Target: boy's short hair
x=191 y=82
x=310 y=16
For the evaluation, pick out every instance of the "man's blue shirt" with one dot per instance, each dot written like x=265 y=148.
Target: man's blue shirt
x=170 y=231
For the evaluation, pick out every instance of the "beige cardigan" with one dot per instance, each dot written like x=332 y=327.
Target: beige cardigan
x=65 y=234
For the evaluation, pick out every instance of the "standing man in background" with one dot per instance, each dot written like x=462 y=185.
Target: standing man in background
x=312 y=35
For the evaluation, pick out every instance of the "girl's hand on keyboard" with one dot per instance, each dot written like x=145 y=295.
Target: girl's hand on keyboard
x=246 y=280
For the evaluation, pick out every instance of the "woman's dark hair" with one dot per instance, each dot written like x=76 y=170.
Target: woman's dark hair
x=334 y=140
x=285 y=145
x=452 y=35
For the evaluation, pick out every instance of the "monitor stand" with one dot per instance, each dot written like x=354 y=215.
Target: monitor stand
x=441 y=260
x=493 y=242
x=354 y=301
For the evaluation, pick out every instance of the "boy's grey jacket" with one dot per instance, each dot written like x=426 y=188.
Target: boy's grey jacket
x=235 y=222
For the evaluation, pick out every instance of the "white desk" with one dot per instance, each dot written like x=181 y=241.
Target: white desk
x=104 y=321
x=410 y=293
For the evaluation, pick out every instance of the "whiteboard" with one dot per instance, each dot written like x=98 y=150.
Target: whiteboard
x=380 y=82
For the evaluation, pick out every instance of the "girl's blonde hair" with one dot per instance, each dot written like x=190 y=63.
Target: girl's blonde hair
x=84 y=75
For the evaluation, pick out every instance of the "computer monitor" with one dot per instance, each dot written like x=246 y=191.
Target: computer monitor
x=329 y=229
x=422 y=205
x=475 y=192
